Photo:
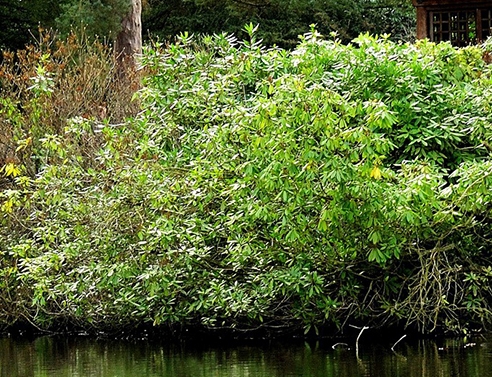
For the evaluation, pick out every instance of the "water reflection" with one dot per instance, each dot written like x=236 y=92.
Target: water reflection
x=79 y=356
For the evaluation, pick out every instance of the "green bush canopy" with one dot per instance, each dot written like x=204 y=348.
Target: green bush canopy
x=261 y=188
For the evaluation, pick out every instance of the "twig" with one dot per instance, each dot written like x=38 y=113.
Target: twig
x=358 y=337
x=339 y=344
x=398 y=341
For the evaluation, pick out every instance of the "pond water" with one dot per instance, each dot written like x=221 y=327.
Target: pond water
x=84 y=357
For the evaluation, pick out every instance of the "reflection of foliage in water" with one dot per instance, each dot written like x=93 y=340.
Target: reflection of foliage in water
x=64 y=357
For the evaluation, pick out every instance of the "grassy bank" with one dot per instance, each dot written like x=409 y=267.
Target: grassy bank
x=256 y=189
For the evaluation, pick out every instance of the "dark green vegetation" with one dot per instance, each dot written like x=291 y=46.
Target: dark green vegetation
x=257 y=188
x=281 y=21
x=100 y=17
x=19 y=18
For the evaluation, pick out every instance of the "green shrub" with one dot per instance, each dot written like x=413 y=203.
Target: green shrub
x=328 y=185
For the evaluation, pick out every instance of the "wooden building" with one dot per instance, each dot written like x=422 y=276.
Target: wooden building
x=461 y=22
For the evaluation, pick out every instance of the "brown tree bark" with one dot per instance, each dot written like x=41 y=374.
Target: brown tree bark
x=128 y=43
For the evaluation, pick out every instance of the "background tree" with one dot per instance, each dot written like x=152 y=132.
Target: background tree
x=281 y=21
x=100 y=18
x=113 y=20
x=128 y=43
x=19 y=20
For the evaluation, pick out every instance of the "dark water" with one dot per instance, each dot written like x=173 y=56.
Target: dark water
x=84 y=357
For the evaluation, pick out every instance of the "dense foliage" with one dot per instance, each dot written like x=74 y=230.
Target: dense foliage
x=260 y=188
x=281 y=21
x=20 y=19
x=96 y=18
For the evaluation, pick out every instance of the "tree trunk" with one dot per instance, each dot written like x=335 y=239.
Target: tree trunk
x=128 y=43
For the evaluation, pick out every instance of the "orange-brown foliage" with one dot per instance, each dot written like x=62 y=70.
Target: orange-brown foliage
x=83 y=82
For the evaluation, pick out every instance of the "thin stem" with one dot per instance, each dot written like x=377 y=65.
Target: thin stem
x=357 y=341
x=398 y=341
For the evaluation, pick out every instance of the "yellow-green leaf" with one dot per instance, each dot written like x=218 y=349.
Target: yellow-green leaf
x=376 y=173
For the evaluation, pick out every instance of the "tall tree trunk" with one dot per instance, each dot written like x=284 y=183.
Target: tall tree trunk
x=128 y=43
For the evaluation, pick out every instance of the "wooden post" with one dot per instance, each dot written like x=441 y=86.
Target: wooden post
x=422 y=22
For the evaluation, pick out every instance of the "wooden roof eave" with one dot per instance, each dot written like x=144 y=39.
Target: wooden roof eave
x=455 y=4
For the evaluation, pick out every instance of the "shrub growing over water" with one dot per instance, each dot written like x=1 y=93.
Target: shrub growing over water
x=328 y=185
